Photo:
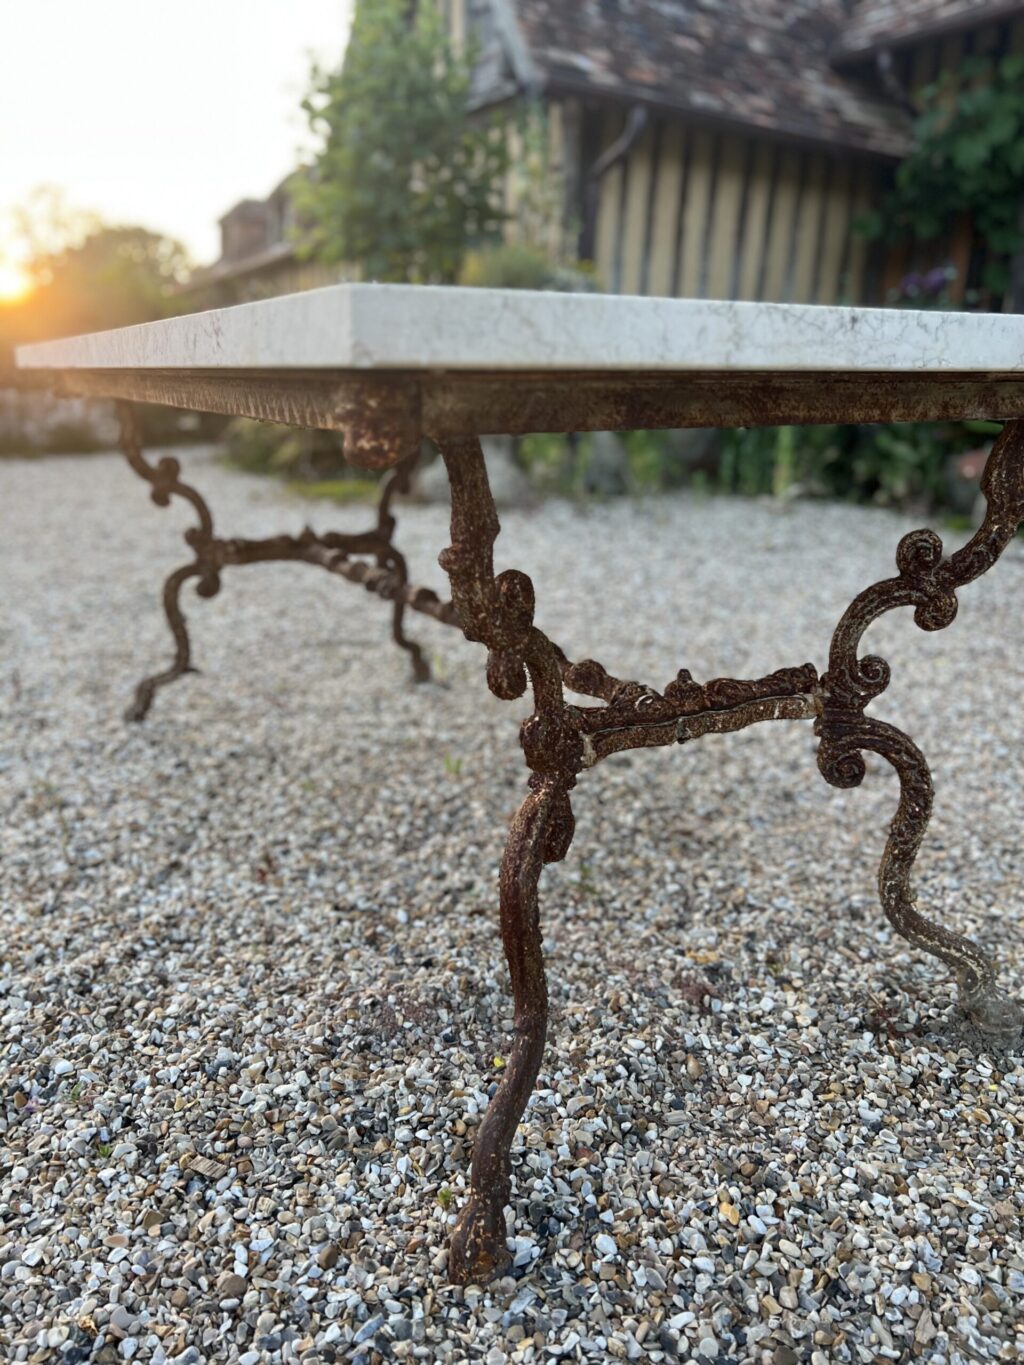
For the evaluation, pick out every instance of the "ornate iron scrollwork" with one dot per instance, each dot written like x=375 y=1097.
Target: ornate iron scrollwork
x=928 y=582
x=336 y=552
x=560 y=740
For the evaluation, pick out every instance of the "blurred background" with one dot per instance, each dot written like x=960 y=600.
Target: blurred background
x=805 y=151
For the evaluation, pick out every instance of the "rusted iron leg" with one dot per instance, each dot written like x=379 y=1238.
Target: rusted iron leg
x=478 y=1250
x=212 y=555
x=929 y=582
x=841 y=761
x=166 y=483
x=420 y=667
x=498 y=611
x=398 y=482
x=148 y=688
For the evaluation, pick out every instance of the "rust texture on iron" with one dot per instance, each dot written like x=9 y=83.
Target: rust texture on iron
x=346 y=555
x=377 y=415
x=381 y=415
x=521 y=403
x=928 y=582
x=561 y=739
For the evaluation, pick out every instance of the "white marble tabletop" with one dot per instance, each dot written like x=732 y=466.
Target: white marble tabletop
x=380 y=327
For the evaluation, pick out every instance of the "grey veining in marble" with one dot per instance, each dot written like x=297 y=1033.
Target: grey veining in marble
x=408 y=327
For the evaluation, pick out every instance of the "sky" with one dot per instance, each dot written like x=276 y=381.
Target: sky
x=157 y=114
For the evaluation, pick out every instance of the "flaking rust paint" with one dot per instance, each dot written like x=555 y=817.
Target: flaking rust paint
x=382 y=419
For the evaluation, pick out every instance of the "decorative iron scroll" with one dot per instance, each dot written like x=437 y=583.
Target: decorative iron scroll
x=927 y=582
x=559 y=740
x=342 y=554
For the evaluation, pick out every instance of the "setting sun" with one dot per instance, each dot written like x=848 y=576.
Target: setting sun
x=14 y=282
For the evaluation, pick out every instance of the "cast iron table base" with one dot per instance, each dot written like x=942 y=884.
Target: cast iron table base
x=346 y=555
x=561 y=740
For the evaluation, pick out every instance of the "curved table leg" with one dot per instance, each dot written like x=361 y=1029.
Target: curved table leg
x=420 y=667
x=212 y=555
x=478 y=1251
x=498 y=611
x=840 y=759
x=148 y=687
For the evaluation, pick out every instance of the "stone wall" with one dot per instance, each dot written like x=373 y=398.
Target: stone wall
x=34 y=422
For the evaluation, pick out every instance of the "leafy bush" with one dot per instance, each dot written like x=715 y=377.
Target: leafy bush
x=968 y=159
x=892 y=465
x=290 y=453
x=897 y=465
x=514 y=265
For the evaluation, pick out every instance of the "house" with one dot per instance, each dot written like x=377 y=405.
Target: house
x=259 y=254
x=704 y=148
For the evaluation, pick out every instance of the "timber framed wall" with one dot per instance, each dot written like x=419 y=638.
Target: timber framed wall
x=692 y=211
x=695 y=213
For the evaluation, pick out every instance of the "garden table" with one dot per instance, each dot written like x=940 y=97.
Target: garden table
x=390 y=365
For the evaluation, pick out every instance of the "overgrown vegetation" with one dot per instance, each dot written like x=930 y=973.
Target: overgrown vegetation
x=905 y=465
x=968 y=159
x=406 y=182
x=911 y=464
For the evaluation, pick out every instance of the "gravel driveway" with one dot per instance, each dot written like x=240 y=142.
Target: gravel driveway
x=253 y=997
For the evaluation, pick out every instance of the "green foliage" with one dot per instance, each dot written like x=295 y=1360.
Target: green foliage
x=890 y=465
x=968 y=159
x=534 y=257
x=508 y=266
x=551 y=462
x=290 y=453
x=559 y=464
x=116 y=277
x=649 y=461
x=340 y=491
x=514 y=265
x=405 y=181
x=87 y=276
x=900 y=465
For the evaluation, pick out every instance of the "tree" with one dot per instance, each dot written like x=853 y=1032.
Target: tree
x=88 y=276
x=407 y=178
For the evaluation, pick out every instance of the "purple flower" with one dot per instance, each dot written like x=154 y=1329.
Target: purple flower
x=911 y=285
x=936 y=280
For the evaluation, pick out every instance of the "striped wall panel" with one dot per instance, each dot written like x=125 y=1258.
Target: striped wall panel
x=698 y=214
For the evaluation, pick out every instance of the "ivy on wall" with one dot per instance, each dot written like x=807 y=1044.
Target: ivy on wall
x=968 y=158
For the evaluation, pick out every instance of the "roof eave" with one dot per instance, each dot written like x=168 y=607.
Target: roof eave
x=851 y=50
x=557 y=83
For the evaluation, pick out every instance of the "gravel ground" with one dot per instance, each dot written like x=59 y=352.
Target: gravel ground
x=253 y=998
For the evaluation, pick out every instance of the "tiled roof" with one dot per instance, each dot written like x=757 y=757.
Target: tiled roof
x=884 y=23
x=754 y=63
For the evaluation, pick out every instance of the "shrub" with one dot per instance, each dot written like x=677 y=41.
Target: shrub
x=267 y=448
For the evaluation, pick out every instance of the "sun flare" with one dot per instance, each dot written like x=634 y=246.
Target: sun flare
x=14 y=282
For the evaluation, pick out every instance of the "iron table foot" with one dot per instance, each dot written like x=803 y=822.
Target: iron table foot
x=182 y=664
x=478 y=1251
